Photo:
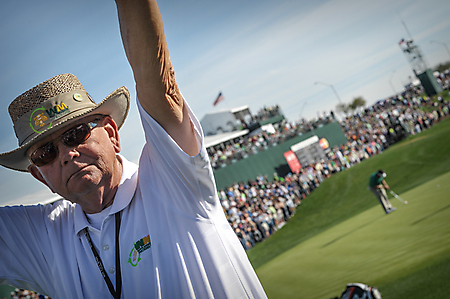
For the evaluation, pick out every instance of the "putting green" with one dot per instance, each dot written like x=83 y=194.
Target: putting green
x=370 y=247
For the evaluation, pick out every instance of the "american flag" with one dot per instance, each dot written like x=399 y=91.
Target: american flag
x=219 y=99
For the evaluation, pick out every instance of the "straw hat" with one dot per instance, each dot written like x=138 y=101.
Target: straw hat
x=52 y=105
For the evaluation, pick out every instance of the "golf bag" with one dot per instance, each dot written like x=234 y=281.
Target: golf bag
x=360 y=291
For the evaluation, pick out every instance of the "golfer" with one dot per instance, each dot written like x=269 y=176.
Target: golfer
x=378 y=186
x=153 y=230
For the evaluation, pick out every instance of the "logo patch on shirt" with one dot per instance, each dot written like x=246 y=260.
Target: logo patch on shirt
x=139 y=247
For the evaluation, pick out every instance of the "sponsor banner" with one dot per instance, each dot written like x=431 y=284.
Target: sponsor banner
x=293 y=162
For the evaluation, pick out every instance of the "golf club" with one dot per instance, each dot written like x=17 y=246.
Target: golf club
x=398 y=197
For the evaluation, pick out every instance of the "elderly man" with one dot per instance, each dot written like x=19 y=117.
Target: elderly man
x=156 y=230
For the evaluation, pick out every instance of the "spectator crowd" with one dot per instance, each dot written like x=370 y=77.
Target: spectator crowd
x=260 y=140
x=257 y=208
x=409 y=105
x=25 y=294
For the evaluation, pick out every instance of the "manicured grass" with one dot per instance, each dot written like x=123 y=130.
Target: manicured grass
x=392 y=252
x=410 y=163
x=429 y=282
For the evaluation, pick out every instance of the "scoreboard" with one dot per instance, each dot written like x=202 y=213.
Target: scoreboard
x=309 y=151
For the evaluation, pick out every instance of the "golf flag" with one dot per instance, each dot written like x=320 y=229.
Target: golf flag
x=219 y=99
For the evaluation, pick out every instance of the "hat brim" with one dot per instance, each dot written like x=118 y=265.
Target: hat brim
x=116 y=105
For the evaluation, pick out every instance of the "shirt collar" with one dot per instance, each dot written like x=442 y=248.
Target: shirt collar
x=124 y=195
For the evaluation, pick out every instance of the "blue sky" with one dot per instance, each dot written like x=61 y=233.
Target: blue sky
x=256 y=52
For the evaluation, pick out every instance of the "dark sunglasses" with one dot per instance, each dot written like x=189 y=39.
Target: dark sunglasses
x=71 y=138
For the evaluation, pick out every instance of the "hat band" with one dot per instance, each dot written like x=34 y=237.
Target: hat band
x=51 y=113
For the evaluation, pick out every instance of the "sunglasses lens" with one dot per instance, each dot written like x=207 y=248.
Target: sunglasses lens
x=77 y=135
x=72 y=137
x=44 y=155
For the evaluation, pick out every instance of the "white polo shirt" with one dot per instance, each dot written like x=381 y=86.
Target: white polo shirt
x=175 y=241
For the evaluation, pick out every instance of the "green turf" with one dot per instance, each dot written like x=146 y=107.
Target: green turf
x=408 y=164
x=389 y=251
x=430 y=282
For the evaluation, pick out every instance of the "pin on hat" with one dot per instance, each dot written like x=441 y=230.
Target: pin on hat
x=52 y=105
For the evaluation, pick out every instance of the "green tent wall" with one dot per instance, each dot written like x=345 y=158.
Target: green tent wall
x=272 y=160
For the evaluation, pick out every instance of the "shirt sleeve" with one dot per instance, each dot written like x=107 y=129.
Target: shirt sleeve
x=185 y=182
x=153 y=130
x=23 y=239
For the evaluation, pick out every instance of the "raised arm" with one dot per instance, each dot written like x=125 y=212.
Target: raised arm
x=143 y=38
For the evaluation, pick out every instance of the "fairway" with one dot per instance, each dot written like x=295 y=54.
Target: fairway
x=371 y=247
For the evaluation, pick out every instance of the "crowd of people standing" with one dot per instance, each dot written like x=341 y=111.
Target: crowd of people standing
x=403 y=112
x=257 y=208
x=26 y=294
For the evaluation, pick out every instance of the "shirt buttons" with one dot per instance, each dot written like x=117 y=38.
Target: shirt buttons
x=105 y=247
x=112 y=270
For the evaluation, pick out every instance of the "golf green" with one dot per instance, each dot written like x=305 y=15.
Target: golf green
x=371 y=248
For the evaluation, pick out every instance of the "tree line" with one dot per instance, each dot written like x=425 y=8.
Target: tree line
x=345 y=108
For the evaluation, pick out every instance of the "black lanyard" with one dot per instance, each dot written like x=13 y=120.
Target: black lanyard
x=115 y=293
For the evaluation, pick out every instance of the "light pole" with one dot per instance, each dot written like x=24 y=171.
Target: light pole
x=332 y=87
x=390 y=82
x=444 y=44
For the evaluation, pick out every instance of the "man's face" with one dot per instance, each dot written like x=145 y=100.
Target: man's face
x=88 y=173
